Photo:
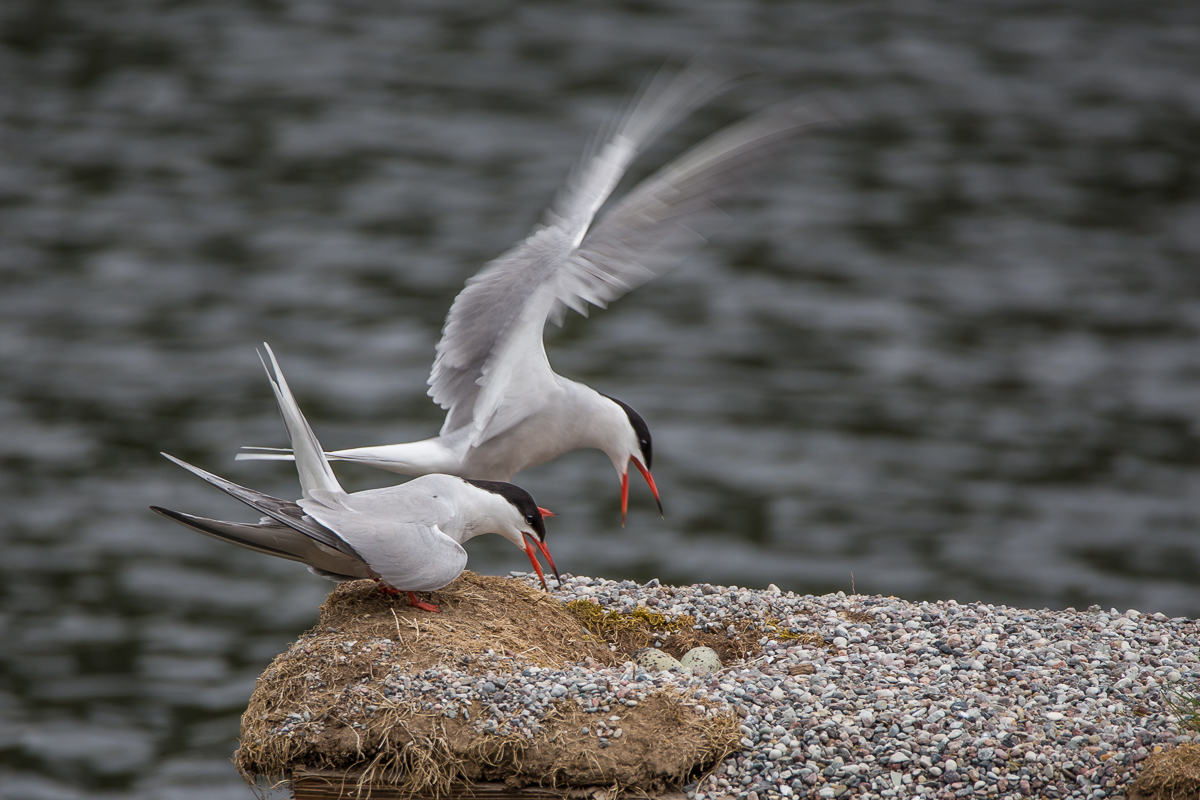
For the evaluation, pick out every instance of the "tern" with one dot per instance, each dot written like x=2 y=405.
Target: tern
x=507 y=409
x=408 y=538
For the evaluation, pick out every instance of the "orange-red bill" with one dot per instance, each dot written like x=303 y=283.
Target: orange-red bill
x=542 y=546
x=650 y=480
x=624 y=495
x=545 y=512
x=533 y=560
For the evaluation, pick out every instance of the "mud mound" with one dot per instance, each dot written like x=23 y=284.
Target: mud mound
x=1170 y=775
x=478 y=613
x=323 y=707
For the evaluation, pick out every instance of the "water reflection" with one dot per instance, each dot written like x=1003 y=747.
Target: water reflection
x=950 y=350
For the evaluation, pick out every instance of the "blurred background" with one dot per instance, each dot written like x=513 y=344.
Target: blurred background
x=951 y=350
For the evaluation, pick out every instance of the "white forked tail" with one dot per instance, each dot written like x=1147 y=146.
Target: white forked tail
x=265 y=454
x=311 y=464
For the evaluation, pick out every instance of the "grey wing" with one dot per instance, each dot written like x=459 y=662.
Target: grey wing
x=433 y=561
x=408 y=555
x=494 y=328
x=275 y=539
x=284 y=511
x=428 y=500
x=662 y=219
x=483 y=323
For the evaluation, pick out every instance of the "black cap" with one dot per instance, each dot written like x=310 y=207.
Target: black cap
x=521 y=500
x=640 y=429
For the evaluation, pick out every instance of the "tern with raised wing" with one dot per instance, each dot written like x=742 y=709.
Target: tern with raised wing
x=408 y=538
x=507 y=410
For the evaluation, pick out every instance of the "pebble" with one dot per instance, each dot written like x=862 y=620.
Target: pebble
x=906 y=699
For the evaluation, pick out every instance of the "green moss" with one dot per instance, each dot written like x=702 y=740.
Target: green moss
x=610 y=624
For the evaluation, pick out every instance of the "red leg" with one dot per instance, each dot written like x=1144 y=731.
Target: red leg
x=421 y=604
x=412 y=598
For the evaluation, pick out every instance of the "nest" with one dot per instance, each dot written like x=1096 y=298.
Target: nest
x=317 y=709
x=1170 y=775
x=631 y=631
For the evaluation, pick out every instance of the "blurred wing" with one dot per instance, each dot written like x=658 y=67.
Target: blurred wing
x=491 y=369
x=660 y=221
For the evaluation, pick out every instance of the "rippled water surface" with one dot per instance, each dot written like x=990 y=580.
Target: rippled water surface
x=950 y=350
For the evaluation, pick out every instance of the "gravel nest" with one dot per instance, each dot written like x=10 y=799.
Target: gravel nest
x=929 y=699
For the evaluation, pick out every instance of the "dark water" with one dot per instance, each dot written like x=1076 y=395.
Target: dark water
x=950 y=351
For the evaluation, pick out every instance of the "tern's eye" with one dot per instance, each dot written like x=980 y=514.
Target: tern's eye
x=529 y=518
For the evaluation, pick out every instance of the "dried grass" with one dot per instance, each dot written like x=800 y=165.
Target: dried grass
x=331 y=674
x=1170 y=775
x=630 y=631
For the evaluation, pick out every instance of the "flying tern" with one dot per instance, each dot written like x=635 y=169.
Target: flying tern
x=408 y=537
x=506 y=408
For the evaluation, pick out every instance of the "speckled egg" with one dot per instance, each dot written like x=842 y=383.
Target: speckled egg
x=701 y=661
x=656 y=660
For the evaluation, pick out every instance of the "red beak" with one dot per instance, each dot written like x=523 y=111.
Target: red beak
x=649 y=480
x=625 y=488
x=538 y=567
x=624 y=494
x=546 y=512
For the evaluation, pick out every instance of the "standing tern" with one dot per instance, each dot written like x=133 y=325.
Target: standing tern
x=408 y=537
x=507 y=410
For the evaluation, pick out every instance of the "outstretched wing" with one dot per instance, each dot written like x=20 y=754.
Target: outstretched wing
x=661 y=219
x=491 y=369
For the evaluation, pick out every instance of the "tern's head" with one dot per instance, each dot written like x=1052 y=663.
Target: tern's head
x=513 y=514
x=632 y=443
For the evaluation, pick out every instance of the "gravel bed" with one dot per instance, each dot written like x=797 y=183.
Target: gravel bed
x=931 y=699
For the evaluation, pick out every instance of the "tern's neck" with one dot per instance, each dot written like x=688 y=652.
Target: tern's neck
x=602 y=424
x=476 y=512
